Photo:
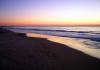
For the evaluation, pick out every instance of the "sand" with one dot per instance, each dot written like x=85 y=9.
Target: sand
x=69 y=42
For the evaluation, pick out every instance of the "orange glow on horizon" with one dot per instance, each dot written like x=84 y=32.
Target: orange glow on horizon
x=49 y=22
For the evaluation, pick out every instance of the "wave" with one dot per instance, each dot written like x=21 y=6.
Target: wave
x=93 y=35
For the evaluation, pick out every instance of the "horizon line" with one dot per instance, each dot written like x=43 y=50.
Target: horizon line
x=50 y=25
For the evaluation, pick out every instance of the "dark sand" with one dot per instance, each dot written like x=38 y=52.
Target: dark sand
x=18 y=52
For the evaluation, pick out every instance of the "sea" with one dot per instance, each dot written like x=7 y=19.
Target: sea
x=87 y=35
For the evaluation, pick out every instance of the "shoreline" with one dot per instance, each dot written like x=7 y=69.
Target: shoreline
x=70 y=42
x=31 y=51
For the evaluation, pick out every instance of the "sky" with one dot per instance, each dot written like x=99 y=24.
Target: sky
x=49 y=12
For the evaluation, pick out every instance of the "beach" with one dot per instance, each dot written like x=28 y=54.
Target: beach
x=31 y=51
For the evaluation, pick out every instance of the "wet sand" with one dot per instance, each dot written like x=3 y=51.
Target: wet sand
x=69 y=42
x=19 y=52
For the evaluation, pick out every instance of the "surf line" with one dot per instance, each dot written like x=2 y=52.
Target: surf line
x=69 y=42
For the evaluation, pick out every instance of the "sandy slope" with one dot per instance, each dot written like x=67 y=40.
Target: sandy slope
x=70 y=42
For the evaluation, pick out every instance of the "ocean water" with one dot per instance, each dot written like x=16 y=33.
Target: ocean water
x=87 y=35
